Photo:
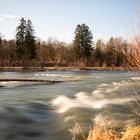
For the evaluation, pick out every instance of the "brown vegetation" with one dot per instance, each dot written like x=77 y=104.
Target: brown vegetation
x=100 y=133
x=59 y=54
x=132 y=54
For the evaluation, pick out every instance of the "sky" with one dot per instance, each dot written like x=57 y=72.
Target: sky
x=59 y=18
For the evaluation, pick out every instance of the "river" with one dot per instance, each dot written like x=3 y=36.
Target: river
x=40 y=111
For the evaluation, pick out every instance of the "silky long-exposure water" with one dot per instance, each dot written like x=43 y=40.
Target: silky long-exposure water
x=40 y=111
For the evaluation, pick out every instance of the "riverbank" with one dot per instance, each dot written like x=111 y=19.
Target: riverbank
x=102 y=133
x=20 y=69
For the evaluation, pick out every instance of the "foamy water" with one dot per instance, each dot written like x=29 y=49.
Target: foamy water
x=98 y=99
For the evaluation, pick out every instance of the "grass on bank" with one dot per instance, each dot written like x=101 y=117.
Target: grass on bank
x=102 y=133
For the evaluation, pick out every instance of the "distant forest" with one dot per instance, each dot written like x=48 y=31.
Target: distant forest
x=26 y=50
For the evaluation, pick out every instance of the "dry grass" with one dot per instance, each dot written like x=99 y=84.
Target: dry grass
x=132 y=54
x=100 y=133
x=132 y=134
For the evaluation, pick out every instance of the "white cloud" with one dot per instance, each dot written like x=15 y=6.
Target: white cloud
x=4 y=17
x=7 y=16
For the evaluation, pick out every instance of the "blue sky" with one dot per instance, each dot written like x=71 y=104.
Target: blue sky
x=58 y=18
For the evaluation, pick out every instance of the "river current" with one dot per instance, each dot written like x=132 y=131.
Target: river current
x=40 y=111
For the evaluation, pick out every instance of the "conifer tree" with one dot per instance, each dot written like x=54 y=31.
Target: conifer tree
x=25 y=41
x=83 y=42
x=20 y=40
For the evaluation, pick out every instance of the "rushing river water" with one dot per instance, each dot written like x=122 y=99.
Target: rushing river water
x=35 y=111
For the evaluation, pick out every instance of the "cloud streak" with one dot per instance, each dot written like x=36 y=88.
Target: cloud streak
x=7 y=16
x=4 y=17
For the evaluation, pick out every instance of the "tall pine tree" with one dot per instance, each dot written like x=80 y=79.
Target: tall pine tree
x=25 y=41
x=20 y=40
x=83 y=42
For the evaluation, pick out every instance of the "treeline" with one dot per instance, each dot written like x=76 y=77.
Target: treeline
x=26 y=50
